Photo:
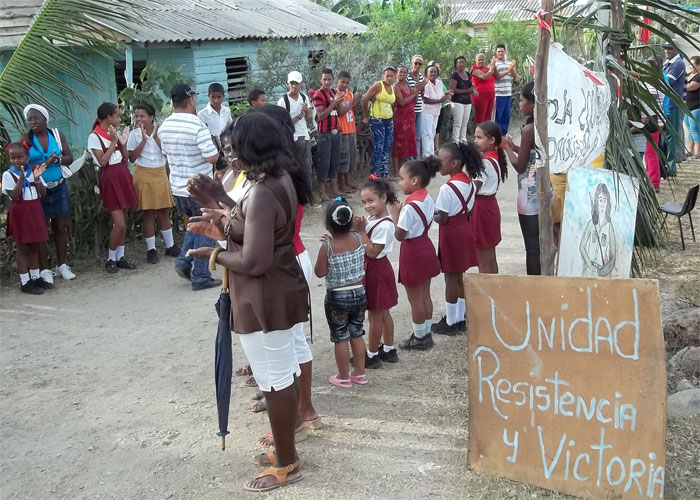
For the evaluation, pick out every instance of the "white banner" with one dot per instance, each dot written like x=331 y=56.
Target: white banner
x=578 y=101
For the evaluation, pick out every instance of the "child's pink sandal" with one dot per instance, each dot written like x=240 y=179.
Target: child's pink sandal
x=339 y=382
x=359 y=379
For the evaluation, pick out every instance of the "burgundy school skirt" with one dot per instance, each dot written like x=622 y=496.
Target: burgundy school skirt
x=456 y=248
x=417 y=261
x=486 y=222
x=380 y=284
x=117 y=187
x=26 y=222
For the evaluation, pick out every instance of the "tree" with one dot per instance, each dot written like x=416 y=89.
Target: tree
x=519 y=37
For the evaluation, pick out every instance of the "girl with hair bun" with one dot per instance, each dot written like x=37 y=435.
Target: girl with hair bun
x=486 y=219
x=341 y=261
x=377 y=233
x=418 y=263
x=457 y=250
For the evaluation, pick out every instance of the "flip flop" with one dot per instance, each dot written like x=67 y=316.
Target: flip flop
x=314 y=424
x=250 y=382
x=244 y=371
x=359 y=379
x=300 y=434
x=261 y=405
x=339 y=382
x=280 y=474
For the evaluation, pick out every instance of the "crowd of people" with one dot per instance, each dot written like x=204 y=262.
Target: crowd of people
x=252 y=177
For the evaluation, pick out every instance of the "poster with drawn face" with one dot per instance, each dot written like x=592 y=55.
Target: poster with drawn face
x=597 y=233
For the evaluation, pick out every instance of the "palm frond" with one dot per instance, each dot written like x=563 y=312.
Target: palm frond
x=56 y=46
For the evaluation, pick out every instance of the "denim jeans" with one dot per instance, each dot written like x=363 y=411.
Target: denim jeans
x=419 y=116
x=201 y=273
x=303 y=146
x=348 y=153
x=503 y=112
x=345 y=312
x=382 y=130
x=328 y=156
x=675 y=120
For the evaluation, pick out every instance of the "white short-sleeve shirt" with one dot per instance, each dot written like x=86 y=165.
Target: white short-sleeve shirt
x=151 y=156
x=490 y=178
x=300 y=127
x=409 y=220
x=96 y=142
x=447 y=200
x=215 y=122
x=9 y=183
x=383 y=234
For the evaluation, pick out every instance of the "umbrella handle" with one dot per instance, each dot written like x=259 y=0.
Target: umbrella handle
x=223 y=443
x=212 y=267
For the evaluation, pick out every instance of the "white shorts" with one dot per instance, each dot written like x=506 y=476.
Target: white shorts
x=301 y=347
x=272 y=358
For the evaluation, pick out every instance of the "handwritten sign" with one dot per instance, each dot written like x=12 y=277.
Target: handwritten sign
x=577 y=106
x=567 y=383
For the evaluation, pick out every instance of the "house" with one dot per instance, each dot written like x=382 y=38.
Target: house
x=208 y=40
x=479 y=14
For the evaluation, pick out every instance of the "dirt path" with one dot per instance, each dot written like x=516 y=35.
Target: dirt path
x=107 y=392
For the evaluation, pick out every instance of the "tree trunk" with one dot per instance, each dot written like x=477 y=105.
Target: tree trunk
x=547 y=249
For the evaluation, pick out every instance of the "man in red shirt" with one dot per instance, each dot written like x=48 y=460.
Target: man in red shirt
x=327 y=101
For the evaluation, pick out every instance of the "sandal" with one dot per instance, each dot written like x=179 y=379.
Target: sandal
x=314 y=424
x=359 y=379
x=300 y=434
x=244 y=371
x=280 y=474
x=339 y=382
x=251 y=382
x=259 y=406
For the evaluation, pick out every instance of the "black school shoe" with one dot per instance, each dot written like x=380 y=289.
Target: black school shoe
x=372 y=363
x=462 y=325
x=442 y=328
x=388 y=357
x=416 y=344
x=173 y=251
x=125 y=264
x=152 y=256
x=111 y=266
x=31 y=288
x=40 y=283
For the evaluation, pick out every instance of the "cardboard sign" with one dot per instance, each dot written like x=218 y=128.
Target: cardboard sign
x=597 y=234
x=567 y=383
x=578 y=101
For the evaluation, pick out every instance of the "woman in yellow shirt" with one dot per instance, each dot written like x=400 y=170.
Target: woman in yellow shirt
x=381 y=121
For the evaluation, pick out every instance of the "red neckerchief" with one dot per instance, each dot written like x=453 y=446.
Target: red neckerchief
x=102 y=133
x=491 y=154
x=460 y=176
x=417 y=196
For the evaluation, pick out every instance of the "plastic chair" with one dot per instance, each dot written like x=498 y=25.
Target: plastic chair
x=679 y=211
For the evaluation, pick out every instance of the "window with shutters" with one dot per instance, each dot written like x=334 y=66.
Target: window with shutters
x=120 y=73
x=237 y=78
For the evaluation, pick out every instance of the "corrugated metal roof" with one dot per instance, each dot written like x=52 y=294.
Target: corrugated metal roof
x=15 y=19
x=485 y=11
x=182 y=21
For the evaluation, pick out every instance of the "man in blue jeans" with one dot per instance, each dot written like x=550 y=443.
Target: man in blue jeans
x=186 y=142
x=674 y=69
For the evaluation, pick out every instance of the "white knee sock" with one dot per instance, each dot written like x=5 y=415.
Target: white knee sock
x=150 y=243
x=388 y=348
x=112 y=255
x=426 y=326
x=34 y=273
x=418 y=330
x=24 y=278
x=167 y=237
x=461 y=309
x=120 y=252
x=371 y=354
x=452 y=315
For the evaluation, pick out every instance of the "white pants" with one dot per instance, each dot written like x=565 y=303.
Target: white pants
x=271 y=357
x=427 y=134
x=460 y=116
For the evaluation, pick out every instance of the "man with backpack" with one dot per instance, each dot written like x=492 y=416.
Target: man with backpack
x=297 y=104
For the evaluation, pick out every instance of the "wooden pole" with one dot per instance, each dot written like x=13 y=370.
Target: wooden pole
x=547 y=249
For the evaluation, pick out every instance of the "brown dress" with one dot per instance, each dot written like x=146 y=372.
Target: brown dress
x=278 y=299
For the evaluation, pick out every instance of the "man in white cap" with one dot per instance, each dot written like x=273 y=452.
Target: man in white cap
x=297 y=104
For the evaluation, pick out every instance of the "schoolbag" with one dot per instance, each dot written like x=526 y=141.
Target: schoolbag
x=286 y=100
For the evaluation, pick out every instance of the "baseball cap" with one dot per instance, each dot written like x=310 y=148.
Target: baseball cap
x=673 y=44
x=181 y=92
x=294 y=76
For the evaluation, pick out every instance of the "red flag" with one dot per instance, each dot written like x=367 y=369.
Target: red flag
x=645 y=33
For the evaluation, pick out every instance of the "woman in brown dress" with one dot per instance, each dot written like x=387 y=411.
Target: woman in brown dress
x=269 y=294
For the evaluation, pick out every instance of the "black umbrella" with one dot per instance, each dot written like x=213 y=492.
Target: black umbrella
x=223 y=364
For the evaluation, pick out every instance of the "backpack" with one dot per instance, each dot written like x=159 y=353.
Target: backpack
x=286 y=100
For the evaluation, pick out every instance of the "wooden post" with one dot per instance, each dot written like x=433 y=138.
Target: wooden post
x=547 y=250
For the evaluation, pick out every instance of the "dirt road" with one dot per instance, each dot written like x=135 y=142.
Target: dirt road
x=107 y=392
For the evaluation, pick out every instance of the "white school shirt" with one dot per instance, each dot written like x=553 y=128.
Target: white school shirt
x=300 y=127
x=447 y=200
x=151 y=156
x=490 y=179
x=94 y=142
x=215 y=122
x=410 y=221
x=383 y=234
x=9 y=183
